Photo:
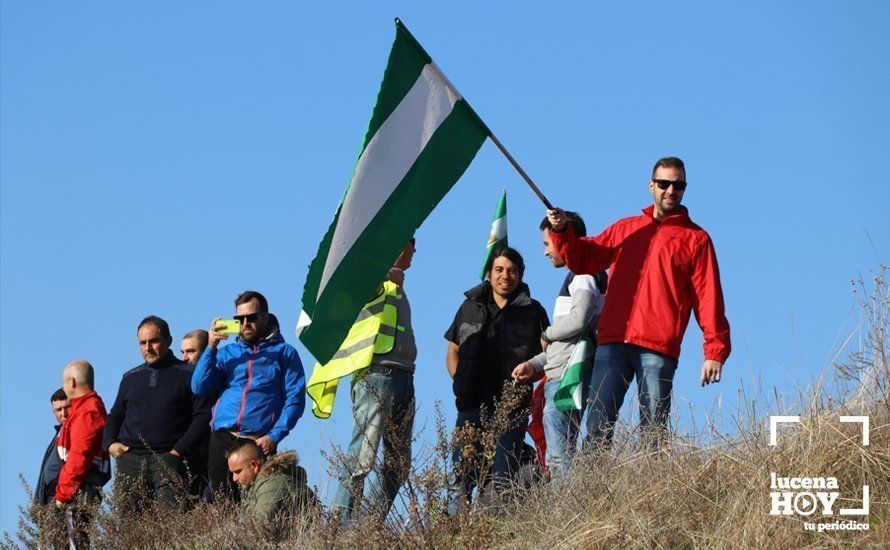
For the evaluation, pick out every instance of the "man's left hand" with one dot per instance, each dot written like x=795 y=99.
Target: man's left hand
x=60 y=504
x=710 y=372
x=267 y=444
x=523 y=372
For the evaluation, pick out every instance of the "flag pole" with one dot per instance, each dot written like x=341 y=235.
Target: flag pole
x=519 y=169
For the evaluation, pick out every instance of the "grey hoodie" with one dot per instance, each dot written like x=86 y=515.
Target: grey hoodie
x=578 y=307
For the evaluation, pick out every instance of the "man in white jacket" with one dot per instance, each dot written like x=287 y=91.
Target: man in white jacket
x=577 y=310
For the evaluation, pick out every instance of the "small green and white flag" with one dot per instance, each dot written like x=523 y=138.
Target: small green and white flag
x=421 y=138
x=568 y=393
x=497 y=238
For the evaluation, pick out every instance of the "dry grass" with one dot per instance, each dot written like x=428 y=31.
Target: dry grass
x=705 y=489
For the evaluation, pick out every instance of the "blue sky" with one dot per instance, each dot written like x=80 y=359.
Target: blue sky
x=159 y=159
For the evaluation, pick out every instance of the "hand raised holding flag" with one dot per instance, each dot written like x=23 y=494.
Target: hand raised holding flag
x=557 y=219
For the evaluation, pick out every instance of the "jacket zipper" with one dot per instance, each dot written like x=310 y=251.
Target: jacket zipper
x=643 y=271
x=246 y=386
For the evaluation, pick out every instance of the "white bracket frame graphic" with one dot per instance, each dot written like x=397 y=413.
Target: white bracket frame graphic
x=859 y=420
x=774 y=421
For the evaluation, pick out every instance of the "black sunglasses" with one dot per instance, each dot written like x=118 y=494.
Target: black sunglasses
x=679 y=185
x=249 y=318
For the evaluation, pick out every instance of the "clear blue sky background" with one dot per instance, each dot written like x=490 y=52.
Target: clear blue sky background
x=159 y=159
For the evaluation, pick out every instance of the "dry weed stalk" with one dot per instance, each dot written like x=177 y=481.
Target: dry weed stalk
x=706 y=488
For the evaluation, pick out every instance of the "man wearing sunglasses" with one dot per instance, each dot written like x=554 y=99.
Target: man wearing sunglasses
x=662 y=266
x=260 y=382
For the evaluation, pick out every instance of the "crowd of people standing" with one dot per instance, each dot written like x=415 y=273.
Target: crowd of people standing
x=209 y=424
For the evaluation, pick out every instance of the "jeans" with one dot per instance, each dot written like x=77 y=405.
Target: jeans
x=615 y=366
x=561 y=427
x=142 y=478
x=469 y=473
x=382 y=409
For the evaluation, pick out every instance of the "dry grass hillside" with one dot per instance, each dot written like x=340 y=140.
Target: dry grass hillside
x=707 y=488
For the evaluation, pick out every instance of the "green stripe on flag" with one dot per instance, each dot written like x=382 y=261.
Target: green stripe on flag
x=497 y=237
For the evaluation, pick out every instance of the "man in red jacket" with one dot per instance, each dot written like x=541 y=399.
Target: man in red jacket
x=85 y=465
x=661 y=267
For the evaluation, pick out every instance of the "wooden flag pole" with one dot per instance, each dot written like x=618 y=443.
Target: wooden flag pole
x=519 y=169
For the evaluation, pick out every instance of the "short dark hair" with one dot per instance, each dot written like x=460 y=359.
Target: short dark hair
x=249 y=295
x=58 y=395
x=669 y=162
x=506 y=252
x=200 y=335
x=573 y=219
x=249 y=448
x=160 y=324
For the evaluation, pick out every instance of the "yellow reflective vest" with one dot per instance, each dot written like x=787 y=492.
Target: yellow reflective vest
x=374 y=332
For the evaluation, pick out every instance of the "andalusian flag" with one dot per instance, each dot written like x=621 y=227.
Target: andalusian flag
x=497 y=238
x=568 y=394
x=421 y=138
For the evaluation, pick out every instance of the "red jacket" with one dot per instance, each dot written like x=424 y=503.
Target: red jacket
x=80 y=446
x=658 y=273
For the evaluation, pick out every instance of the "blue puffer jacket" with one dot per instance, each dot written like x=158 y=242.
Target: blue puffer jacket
x=263 y=387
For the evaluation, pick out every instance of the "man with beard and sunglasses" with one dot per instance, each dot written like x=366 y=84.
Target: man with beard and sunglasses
x=260 y=383
x=662 y=267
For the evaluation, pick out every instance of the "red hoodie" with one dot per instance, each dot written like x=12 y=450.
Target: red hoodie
x=80 y=445
x=658 y=273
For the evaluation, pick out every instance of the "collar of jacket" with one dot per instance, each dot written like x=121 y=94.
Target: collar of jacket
x=482 y=294
x=680 y=217
x=77 y=401
x=273 y=338
x=286 y=463
x=164 y=361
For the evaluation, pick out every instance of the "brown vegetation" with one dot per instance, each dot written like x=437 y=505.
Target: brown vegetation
x=704 y=489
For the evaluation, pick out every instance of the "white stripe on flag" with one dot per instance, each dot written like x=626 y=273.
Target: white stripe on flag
x=387 y=158
x=576 y=396
x=498 y=229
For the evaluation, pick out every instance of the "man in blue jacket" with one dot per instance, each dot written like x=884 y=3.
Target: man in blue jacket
x=260 y=382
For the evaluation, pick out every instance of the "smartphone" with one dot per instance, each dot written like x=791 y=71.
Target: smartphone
x=229 y=326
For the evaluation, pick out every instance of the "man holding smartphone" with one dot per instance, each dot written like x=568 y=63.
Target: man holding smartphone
x=661 y=267
x=260 y=383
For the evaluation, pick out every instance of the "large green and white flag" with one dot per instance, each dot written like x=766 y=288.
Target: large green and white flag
x=568 y=393
x=497 y=238
x=421 y=138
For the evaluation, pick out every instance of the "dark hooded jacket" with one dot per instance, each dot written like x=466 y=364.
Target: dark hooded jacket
x=45 y=491
x=492 y=342
x=280 y=491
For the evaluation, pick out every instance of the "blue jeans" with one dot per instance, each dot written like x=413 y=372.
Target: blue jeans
x=382 y=408
x=467 y=474
x=561 y=427
x=615 y=366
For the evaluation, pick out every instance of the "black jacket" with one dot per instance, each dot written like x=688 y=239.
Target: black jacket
x=492 y=342
x=44 y=492
x=156 y=411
